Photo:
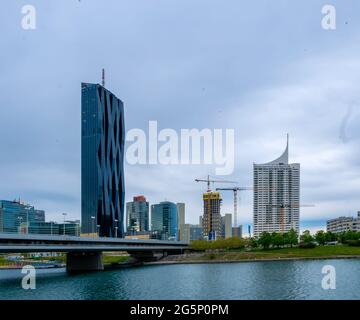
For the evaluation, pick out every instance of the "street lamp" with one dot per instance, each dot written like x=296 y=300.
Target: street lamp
x=116 y=227
x=93 y=224
x=64 y=214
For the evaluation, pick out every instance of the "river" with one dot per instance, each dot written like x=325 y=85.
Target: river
x=249 y=280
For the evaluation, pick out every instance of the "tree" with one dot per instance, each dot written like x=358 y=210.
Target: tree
x=277 y=239
x=320 y=237
x=265 y=240
x=253 y=243
x=306 y=237
x=286 y=239
x=351 y=235
x=329 y=236
x=292 y=237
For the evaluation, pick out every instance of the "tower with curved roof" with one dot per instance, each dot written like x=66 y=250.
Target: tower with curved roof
x=276 y=195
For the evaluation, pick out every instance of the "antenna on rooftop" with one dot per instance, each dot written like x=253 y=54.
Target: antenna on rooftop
x=103 y=78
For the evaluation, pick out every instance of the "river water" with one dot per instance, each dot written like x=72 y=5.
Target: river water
x=249 y=280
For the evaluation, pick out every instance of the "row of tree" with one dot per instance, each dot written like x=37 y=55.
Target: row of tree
x=267 y=240
x=279 y=240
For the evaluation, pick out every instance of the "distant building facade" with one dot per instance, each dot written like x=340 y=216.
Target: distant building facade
x=16 y=216
x=226 y=226
x=196 y=232
x=69 y=228
x=164 y=220
x=343 y=224
x=181 y=217
x=237 y=232
x=191 y=232
x=102 y=157
x=137 y=215
x=211 y=221
x=276 y=196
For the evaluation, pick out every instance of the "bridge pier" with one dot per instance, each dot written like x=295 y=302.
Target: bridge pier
x=84 y=261
x=148 y=256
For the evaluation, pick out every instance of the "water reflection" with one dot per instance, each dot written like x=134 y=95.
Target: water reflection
x=255 y=280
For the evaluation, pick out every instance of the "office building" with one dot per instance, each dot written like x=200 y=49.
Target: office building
x=237 y=232
x=211 y=221
x=184 y=232
x=181 y=216
x=191 y=232
x=164 y=220
x=16 y=216
x=69 y=228
x=137 y=215
x=343 y=224
x=196 y=232
x=276 y=195
x=102 y=155
x=226 y=226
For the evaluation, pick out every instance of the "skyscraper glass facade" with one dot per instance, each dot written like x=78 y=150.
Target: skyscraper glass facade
x=164 y=219
x=15 y=215
x=102 y=157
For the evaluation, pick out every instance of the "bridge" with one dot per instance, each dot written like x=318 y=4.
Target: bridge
x=85 y=254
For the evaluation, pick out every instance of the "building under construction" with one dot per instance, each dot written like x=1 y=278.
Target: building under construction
x=211 y=221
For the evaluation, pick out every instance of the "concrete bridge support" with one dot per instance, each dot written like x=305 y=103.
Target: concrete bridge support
x=148 y=256
x=84 y=261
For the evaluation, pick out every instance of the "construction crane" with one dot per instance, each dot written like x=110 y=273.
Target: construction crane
x=208 y=181
x=282 y=212
x=235 y=190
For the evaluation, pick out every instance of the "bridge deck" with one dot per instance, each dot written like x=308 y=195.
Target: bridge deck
x=46 y=243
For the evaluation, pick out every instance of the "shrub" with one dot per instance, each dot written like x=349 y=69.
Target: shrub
x=353 y=243
x=307 y=245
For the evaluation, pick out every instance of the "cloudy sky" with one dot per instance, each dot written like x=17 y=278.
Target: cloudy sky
x=262 y=68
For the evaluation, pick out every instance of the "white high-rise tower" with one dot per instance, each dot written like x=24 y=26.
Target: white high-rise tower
x=277 y=195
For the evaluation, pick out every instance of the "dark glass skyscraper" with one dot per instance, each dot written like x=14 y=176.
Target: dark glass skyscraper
x=102 y=157
x=164 y=220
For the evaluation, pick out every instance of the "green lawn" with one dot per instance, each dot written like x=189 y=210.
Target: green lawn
x=341 y=250
x=115 y=259
x=318 y=252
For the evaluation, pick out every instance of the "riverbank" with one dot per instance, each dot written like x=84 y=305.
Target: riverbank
x=284 y=254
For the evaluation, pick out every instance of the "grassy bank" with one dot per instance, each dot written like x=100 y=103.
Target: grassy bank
x=112 y=259
x=271 y=254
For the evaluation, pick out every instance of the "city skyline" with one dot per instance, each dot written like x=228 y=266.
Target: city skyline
x=231 y=71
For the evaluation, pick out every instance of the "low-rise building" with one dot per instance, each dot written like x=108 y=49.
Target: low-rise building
x=16 y=216
x=343 y=224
